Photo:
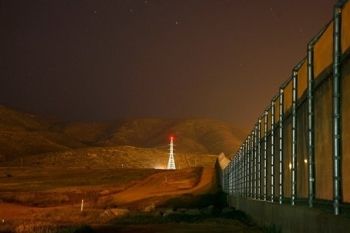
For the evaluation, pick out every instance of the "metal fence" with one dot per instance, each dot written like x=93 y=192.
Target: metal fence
x=299 y=149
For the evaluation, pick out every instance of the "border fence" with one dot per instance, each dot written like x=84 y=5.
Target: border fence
x=299 y=149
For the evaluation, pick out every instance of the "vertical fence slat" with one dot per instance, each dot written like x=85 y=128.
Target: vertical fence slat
x=281 y=107
x=265 y=155
x=254 y=164
x=256 y=161
x=231 y=179
x=251 y=166
x=311 y=125
x=248 y=166
x=236 y=173
x=337 y=140
x=241 y=172
x=272 y=150
x=294 y=138
x=245 y=169
x=259 y=159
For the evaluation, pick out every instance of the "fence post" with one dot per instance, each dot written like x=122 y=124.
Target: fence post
x=227 y=180
x=246 y=169
x=240 y=171
x=235 y=171
x=256 y=161
x=259 y=159
x=294 y=137
x=281 y=112
x=253 y=164
x=224 y=180
x=244 y=166
x=233 y=174
x=265 y=154
x=230 y=178
x=311 y=123
x=236 y=174
x=337 y=135
x=272 y=150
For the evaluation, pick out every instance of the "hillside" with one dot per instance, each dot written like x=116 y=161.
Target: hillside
x=191 y=135
x=113 y=157
x=23 y=134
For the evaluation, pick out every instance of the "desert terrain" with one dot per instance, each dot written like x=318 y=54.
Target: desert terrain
x=110 y=177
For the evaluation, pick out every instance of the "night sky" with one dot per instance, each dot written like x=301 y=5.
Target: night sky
x=103 y=60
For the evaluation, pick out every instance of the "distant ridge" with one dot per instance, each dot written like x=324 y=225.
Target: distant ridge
x=23 y=134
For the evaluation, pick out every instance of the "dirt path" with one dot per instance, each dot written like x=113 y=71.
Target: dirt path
x=167 y=184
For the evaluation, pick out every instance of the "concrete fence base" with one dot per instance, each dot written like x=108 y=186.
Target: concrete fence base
x=291 y=219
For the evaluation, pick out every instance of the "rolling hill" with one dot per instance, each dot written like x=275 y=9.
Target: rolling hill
x=23 y=135
x=191 y=135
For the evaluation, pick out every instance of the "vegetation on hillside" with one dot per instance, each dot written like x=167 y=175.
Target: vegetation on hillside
x=23 y=134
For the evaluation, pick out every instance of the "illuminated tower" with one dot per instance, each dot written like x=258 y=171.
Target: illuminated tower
x=171 y=161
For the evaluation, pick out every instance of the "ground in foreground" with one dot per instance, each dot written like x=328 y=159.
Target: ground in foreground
x=115 y=200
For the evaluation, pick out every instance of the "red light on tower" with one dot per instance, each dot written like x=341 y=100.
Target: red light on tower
x=171 y=138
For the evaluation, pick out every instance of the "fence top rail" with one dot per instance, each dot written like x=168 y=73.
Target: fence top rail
x=275 y=97
x=341 y=3
x=295 y=68
x=299 y=64
x=313 y=41
x=285 y=83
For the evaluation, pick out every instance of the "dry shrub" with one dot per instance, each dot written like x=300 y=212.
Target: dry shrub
x=36 y=198
x=37 y=227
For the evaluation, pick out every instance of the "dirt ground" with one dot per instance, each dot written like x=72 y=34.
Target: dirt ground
x=33 y=199
x=228 y=227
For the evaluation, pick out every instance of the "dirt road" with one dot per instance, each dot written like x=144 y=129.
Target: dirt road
x=166 y=185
